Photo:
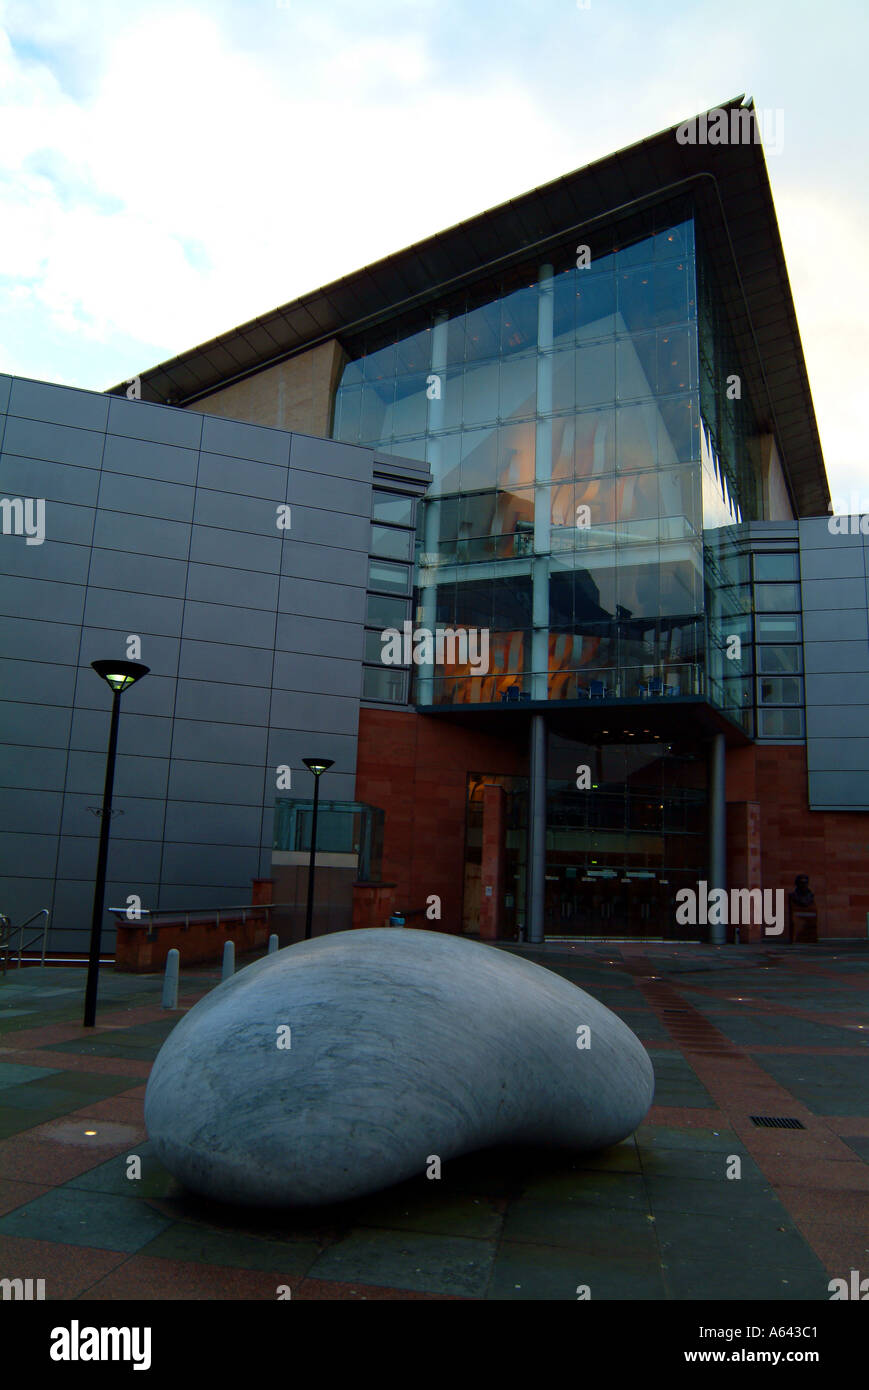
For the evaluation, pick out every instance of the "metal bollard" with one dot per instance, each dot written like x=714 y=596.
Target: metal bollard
x=170 y=979
x=273 y=943
x=228 y=960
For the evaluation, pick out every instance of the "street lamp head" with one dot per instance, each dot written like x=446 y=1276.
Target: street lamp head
x=120 y=674
x=318 y=765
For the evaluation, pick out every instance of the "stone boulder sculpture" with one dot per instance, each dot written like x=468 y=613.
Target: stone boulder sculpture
x=341 y=1065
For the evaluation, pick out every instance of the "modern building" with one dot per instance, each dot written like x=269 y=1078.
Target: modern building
x=573 y=438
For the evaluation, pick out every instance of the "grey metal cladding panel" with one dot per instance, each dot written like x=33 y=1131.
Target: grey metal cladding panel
x=293 y=709
x=229 y=548
x=221 y=473
x=51 y=684
x=825 y=625
x=328 y=456
x=59 y=405
x=290 y=746
x=158 y=424
x=217 y=742
x=5 y=387
x=39 y=641
x=145 y=535
x=852 y=689
x=183 y=895
x=223 y=783
x=244 y=588
x=839 y=754
x=45 y=726
x=319 y=637
x=138 y=613
x=139 y=735
x=56 y=482
x=203 y=822
x=239 y=440
x=21 y=896
x=838 y=562
x=33 y=856
x=30 y=811
x=229 y=704
x=159 y=653
x=121 y=492
x=326 y=563
x=132 y=862
x=319 y=527
x=52 y=560
x=294 y=671
x=340 y=495
x=146 y=459
x=234 y=512
x=57 y=443
x=212 y=866
x=34 y=768
x=845 y=790
x=835 y=721
x=318 y=600
x=41 y=599
x=815 y=534
x=71 y=914
x=86 y=772
x=66 y=522
x=145 y=574
x=215 y=622
x=219 y=661
x=835 y=594
x=836 y=657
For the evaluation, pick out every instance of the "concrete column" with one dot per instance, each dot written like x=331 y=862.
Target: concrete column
x=536 y=872
x=543 y=489
x=170 y=980
x=717 y=830
x=427 y=574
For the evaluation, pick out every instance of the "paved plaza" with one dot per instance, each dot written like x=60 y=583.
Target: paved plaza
x=734 y=1033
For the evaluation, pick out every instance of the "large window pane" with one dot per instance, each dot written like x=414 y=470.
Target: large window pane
x=776 y=598
x=776 y=567
x=395 y=545
x=386 y=612
x=390 y=506
x=383 y=575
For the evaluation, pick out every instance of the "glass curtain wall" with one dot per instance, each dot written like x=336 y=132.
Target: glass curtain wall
x=559 y=410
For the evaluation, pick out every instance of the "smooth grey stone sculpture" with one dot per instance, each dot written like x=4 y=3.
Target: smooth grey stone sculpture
x=341 y=1065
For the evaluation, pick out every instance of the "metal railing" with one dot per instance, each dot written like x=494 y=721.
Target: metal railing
x=208 y=914
x=7 y=929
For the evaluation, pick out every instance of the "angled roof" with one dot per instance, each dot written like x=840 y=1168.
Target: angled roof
x=734 y=204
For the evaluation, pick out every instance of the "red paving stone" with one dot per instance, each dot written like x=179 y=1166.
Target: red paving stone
x=322 y=1290
x=68 y=1270
x=43 y=1160
x=75 y=1061
x=151 y=1277
x=18 y=1194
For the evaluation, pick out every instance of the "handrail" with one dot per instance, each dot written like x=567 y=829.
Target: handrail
x=242 y=910
x=8 y=929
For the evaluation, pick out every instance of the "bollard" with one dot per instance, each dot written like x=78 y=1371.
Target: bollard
x=170 y=980
x=228 y=960
x=273 y=943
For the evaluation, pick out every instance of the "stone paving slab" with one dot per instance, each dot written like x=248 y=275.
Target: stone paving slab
x=656 y=1217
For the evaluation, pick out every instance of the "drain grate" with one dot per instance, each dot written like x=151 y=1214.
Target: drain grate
x=776 y=1122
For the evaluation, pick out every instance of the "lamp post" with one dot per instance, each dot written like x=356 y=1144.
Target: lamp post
x=317 y=766
x=118 y=675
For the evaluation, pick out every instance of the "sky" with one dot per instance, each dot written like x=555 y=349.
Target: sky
x=170 y=170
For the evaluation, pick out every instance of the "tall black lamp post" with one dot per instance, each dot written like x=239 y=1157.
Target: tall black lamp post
x=118 y=675
x=317 y=766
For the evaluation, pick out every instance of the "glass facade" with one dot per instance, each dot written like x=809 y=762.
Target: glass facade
x=559 y=410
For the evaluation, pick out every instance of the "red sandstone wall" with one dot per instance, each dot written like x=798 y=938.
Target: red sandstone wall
x=832 y=847
x=415 y=767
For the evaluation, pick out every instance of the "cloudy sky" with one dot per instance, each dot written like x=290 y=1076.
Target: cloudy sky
x=168 y=170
